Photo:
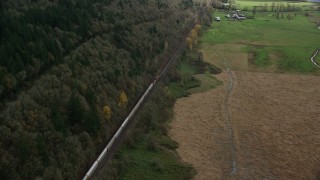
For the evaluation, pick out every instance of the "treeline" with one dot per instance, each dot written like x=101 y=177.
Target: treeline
x=276 y=7
x=267 y=7
x=36 y=38
x=70 y=71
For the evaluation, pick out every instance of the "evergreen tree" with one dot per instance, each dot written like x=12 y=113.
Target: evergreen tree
x=92 y=122
x=75 y=110
x=58 y=121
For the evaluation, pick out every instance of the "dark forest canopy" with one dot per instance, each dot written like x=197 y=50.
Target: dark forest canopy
x=69 y=72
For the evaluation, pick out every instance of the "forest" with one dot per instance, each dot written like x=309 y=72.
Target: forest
x=70 y=70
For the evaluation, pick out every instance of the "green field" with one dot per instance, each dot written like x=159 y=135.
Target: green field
x=153 y=164
x=247 y=4
x=208 y=81
x=180 y=88
x=287 y=43
x=317 y=58
x=194 y=77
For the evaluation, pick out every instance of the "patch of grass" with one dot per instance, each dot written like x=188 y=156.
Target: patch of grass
x=207 y=82
x=179 y=87
x=186 y=68
x=261 y=58
x=177 y=90
x=157 y=165
x=317 y=58
x=195 y=76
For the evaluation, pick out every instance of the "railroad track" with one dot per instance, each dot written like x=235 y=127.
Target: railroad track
x=109 y=150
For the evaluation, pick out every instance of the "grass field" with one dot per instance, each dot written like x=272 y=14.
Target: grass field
x=208 y=81
x=180 y=88
x=245 y=4
x=288 y=44
x=153 y=164
x=193 y=75
x=317 y=59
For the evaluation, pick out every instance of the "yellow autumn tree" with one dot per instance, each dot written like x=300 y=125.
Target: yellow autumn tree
x=198 y=28
x=189 y=43
x=194 y=36
x=123 y=99
x=192 y=39
x=106 y=111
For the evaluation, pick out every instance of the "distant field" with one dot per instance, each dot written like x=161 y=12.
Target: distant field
x=287 y=45
x=242 y=4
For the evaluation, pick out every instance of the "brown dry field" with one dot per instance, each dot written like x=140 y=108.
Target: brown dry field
x=276 y=124
x=238 y=59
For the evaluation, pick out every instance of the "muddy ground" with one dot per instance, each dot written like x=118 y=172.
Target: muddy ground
x=276 y=123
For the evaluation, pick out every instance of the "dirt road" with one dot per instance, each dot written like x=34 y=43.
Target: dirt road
x=276 y=123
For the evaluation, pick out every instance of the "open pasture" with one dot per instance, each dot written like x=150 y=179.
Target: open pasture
x=249 y=5
x=270 y=41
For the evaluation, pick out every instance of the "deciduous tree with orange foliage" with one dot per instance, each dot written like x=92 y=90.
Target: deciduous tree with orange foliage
x=189 y=43
x=192 y=39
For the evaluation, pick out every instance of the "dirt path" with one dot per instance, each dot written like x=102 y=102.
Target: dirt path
x=229 y=89
x=276 y=122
